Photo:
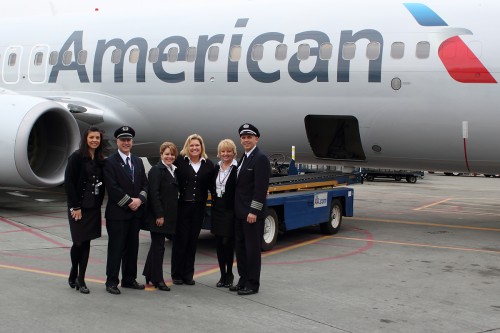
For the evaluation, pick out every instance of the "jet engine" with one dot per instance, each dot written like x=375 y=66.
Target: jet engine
x=36 y=137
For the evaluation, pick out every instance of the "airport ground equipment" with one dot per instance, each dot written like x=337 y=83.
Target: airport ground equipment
x=409 y=175
x=304 y=200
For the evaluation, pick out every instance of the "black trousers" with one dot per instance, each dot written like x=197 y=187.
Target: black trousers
x=153 y=269
x=185 y=240
x=248 y=239
x=123 y=248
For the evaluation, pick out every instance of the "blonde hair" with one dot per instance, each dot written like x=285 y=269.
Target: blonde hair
x=169 y=145
x=185 y=149
x=226 y=144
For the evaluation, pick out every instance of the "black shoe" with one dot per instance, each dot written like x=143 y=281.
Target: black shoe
x=72 y=282
x=133 y=285
x=161 y=286
x=236 y=288
x=80 y=284
x=189 y=282
x=113 y=290
x=221 y=283
x=246 y=291
x=229 y=281
x=177 y=281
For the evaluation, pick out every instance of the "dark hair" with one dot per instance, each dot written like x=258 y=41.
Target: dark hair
x=84 y=147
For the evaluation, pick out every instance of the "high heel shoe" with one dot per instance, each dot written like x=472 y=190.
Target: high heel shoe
x=80 y=285
x=221 y=283
x=161 y=286
x=229 y=281
x=72 y=278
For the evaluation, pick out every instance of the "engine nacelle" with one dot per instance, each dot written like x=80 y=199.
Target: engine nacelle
x=36 y=137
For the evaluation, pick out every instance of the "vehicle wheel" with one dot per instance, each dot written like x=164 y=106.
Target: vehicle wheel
x=332 y=227
x=270 y=230
x=397 y=178
x=369 y=178
x=488 y=176
x=411 y=179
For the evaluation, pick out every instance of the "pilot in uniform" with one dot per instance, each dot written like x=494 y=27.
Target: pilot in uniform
x=127 y=187
x=250 y=210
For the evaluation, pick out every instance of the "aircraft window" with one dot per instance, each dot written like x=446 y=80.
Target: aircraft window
x=304 y=52
x=173 y=54
x=257 y=52
x=116 y=56
x=53 y=57
x=67 y=55
x=448 y=50
x=191 y=54
x=12 y=59
x=397 y=50
x=38 y=58
x=133 y=58
x=235 y=53
x=373 y=50
x=154 y=54
x=325 y=51
x=281 y=51
x=82 y=57
x=213 y=53
x=348 y=51
x=423 y=50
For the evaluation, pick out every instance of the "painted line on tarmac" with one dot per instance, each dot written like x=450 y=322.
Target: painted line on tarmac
x=31 y=231
x=428 y=224
x=433 y=204
x=421 y=245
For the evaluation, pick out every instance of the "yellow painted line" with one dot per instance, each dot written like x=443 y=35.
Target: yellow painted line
x=432 y=204
x=418 y=245
x=422 y=223
x=463 y=212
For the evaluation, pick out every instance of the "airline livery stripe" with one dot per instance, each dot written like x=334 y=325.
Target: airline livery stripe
x=424 y=15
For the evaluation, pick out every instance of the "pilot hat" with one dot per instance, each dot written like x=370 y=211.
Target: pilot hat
x=125 y=132
x=249 y=129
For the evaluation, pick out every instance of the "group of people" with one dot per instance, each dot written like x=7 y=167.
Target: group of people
x=170 y=202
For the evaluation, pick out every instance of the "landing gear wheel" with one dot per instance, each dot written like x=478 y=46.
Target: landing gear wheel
x=270 y=230
x=332 y=227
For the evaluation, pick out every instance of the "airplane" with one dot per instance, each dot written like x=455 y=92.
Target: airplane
x=394 y=84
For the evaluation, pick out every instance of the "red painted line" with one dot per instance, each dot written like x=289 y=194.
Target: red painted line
x=34 y=233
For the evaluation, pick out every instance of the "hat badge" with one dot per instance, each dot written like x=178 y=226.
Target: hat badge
x=246 y=126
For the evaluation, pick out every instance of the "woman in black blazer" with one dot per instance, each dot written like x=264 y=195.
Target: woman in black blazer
x=223 y=210
x=162 y=212
x=195 y=175
x=85 y=192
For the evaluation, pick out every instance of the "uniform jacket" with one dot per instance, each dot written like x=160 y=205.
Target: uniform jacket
x=76 y=180
x=121 y=189
x=252 y=184
x=192 y=185
x=162 y=199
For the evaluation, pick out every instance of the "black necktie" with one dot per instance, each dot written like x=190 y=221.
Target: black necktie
x=129 y=169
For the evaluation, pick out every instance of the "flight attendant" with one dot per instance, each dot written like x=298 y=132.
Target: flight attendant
x=127 y=188
x=252 y=184
x=195 y=175
x=222 y=210
x=85 y=192
x=162 y=212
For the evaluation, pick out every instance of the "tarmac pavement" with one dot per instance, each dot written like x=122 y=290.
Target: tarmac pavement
x=421 y=257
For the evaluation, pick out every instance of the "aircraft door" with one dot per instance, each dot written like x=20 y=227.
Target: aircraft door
x=11 y=64
x=37 y=70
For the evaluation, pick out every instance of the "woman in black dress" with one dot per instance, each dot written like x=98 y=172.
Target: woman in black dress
x=223 y=210
x=195 y=175
x=162 y=212
x=85 y=193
